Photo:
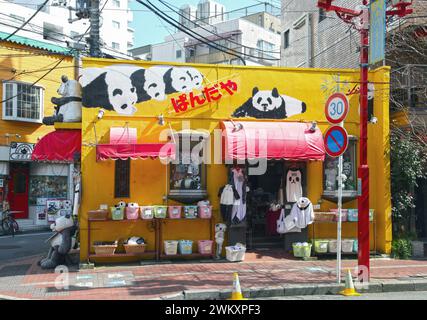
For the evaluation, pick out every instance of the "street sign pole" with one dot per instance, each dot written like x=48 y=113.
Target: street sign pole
x=339 y=231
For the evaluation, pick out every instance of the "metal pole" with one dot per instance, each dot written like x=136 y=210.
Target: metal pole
x=94 y=29
x=340 y=186
x=363 y=170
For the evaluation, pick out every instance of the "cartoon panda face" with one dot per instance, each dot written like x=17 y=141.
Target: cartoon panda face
x=371 y=91
x=266 y=100
x=67 y=204
x=121 y=204
x=133 y=205
x=180 y=80
x=121 y=93
x=220 y=227
x=196 y=78
x=154 y=86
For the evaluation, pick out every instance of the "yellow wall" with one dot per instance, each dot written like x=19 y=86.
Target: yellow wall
x=149 y=177
x=21 y=63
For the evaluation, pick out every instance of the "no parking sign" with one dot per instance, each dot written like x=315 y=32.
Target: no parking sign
x=336 y=141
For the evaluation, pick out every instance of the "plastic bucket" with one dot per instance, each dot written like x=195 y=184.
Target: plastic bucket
x=117 y=213
x=147 y=212
x=205 y=246
x=186 y=246
x=170 y=247
x=174 y=212
x=132 y=213
x=205 y=212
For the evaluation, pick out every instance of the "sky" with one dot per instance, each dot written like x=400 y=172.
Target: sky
x=149 y=29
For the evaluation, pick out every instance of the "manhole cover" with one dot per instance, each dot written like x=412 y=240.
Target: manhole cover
x=6 y=247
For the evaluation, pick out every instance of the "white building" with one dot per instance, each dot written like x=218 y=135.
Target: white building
x=255 y=37
x=52 y=23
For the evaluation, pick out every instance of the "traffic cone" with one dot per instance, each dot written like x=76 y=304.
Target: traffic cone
x=237 y=291
x=349 y=286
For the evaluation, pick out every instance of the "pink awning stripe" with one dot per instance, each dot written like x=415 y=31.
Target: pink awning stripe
x=135 y=151
x=272 y=140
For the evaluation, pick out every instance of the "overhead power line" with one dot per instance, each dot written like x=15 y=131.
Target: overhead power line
x=25 y=23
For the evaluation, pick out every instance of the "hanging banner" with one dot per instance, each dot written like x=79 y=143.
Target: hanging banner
x=377 y=36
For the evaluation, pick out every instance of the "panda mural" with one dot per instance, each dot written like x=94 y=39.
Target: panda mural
x=175 y=79
x=104 y=88
x=269 y=105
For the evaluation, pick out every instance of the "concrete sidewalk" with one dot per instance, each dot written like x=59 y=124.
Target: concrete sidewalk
x=262 y=274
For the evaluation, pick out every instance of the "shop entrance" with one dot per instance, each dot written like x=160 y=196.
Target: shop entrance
x=18 y=189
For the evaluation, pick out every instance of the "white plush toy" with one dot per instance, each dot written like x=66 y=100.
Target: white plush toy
x=219 y=238
x=69 y=106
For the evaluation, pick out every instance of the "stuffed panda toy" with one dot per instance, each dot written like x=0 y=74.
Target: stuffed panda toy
x=269 y=105
x=61 y=242
x=68 y=108
x=104 y=88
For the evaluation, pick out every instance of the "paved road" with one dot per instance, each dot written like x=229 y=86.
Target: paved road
x=21 y=246
x=412 y=295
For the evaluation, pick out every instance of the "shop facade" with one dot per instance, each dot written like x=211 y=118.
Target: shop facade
x=263 y=127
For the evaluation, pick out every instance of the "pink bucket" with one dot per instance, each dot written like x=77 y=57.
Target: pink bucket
x=174 y=212
x=132 y=213
x=205 y=246
x=205 y=212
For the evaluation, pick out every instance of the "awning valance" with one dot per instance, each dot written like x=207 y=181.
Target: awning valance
x=58 y=146
x=272 y=140
x=135 y=151
x=123 y=145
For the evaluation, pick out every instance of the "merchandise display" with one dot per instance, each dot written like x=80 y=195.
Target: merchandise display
x=235 y=253
x=321 y=246
x=160 y=212
x=302 y=213
x=190 y=212
x=205 y=211
x=117 y=213
x=293 y=185
x=220 y=229
x=174 y=212
x=147 y=212
x=185 y=246
x=301 y=249
x=238 y=180
x=171 y=247
x=132 y=211
x=205 y=246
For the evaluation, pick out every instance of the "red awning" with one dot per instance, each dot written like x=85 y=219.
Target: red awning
x=123 y=146
x=135 y=151
x=58 y=146
x=272 y=140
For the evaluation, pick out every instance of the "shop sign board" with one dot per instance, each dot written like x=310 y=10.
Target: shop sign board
x=377 y=36
x=336 y=141
x=336 y=108
x=21 y=151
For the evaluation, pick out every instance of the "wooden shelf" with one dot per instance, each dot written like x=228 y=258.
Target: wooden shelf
x=193 y=255
x=317 y=222
x=117 y=255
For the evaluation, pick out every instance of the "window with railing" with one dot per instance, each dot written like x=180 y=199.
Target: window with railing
x=22 y=102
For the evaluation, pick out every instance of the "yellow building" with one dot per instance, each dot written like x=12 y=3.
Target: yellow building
x=130 y=110
x=24 y=62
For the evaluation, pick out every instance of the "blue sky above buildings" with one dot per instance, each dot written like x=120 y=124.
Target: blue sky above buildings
x=149 y=29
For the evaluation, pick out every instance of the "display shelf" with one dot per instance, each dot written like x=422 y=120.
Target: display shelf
x=118 y=255
x=192 y=255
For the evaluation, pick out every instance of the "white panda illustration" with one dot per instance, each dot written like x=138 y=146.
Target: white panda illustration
x=294 y=106
x=263 y=105
x=371 y=94
x=175 y=79
x=102 y=88
x=147 y=83
x=196 y=78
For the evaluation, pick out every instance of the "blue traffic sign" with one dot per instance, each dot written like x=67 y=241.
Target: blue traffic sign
x=336 y=141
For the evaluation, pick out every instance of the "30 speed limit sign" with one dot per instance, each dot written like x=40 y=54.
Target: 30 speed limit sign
x=336 y=108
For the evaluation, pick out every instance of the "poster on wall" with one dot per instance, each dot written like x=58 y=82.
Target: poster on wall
x=56 y=208
x=41 y=214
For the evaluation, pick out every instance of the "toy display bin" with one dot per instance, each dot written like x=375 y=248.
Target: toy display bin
x=190 y=212
x=160 y=212
x=355 y=245
x=171 y=247
x=135 y=248
x=105 y=248
x=235 y=254
x=324 y=216
x=117 y=213
x=174 y=212
x=147 y=212
x=352 y=215
x=205 y=212
x=347 y=245
x=205 y=246
x=185 y=246
x=321 y=246
x=344 y=214
x=98 y=215
x=132 y=213
x=333 y=246
x=301 y=251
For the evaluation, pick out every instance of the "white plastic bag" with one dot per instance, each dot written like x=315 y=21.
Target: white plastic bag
x=281 y=227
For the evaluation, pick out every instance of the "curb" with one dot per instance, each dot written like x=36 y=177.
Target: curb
x=293 y=290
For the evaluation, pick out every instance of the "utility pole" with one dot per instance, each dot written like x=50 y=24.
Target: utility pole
x=350 y=16
x=94 y=40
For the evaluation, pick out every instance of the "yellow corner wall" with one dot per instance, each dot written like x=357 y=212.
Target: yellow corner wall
x=26 y=64
x=149 y=179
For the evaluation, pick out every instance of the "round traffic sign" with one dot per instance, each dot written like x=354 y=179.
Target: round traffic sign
x=336 y=108
x=336 y=141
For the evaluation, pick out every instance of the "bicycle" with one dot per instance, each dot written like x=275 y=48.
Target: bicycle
x=8 y=223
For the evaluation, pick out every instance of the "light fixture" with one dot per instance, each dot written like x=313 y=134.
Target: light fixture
x=313 y=126
x=101 y=114
x=161 y=120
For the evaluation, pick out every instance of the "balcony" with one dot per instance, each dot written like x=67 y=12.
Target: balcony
x=409 y=93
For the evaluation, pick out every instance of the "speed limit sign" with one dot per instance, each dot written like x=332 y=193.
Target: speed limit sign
x=336 y=108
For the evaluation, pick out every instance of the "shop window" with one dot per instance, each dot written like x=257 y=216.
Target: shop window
x=47 y=187
x=322 y=14
x=330 y=174
x=188 y=170
x=286 y=39
x=22 y=102
x=122 y=179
